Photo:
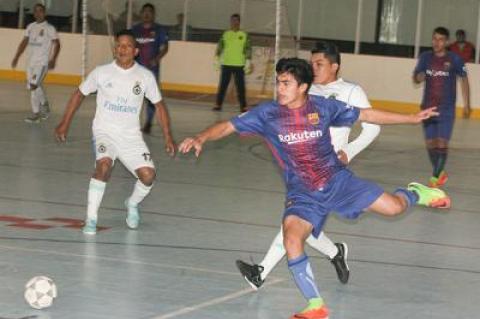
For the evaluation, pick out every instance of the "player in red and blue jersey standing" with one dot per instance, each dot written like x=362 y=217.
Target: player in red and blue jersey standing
x=297 y=128
x=439 y=69
x=152 y=41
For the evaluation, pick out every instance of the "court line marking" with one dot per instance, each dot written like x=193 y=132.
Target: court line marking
x=128 y=261
x=215 y=301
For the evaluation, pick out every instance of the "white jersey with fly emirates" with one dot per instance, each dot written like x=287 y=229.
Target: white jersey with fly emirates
x=354 y=95
x=40 y=37
x=120 y=94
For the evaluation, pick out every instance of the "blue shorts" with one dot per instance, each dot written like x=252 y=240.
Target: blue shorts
x=439 y=127
x=345 y=194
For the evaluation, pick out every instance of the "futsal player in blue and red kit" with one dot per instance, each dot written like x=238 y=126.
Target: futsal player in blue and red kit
x=152 y=41
x=296 y=127
x=439 y=69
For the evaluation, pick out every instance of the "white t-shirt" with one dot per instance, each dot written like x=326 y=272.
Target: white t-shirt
x=40 y=37
x=120 y=95
x=354 y=95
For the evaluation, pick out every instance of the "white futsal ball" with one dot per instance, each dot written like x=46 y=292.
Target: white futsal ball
x=40 y=292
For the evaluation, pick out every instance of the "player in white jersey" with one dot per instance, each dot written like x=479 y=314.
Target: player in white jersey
x=325 y=60
x=43 y=48
x=121 y=87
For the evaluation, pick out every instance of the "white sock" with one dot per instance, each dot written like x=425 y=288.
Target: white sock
x=42 y=97
x=95 y=195
x=35 y=101
x=140 y=191
x=274 y=255
x=323 y=244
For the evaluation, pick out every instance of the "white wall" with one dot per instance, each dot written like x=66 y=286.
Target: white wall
x=191 y=64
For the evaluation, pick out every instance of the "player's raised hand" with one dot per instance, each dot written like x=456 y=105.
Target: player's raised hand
x=426 y=114
x=188 y=144
x=61 y=133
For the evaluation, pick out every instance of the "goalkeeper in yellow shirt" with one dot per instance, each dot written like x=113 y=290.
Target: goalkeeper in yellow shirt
x=234 y=53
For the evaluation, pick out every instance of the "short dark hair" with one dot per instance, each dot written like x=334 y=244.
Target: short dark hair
x=235 y=15
x=442 y=31
x=41 y=5
x=300 y=69
x=460 y=32
x=329 y=49
x=148 y=5
x=128 y=33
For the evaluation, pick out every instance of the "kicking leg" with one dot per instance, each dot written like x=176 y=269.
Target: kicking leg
x=337 y=252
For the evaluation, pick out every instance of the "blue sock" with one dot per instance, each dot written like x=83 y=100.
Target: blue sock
x=411 y=197
x=303 y=276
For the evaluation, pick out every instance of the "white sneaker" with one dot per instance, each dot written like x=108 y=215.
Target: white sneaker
x=133 y=216
x=90 y=227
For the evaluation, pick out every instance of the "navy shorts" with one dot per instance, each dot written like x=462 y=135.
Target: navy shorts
x=345 y=194
x=439 y=127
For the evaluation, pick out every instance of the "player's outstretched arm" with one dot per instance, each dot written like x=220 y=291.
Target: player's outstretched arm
x=164 y=120
x=384 y=117
x=20 y=50
x=72 y=106
x=214 y=132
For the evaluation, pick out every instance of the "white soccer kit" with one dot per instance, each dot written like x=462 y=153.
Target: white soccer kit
x=354 y=95
x=40 y=37
x=116 y=126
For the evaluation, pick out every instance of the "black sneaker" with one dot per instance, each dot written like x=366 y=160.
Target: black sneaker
x=340 y=262
x=251 y=273
x=217 y=108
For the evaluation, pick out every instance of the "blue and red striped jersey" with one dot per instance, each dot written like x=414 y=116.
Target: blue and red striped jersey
x=300 y=138
x=149 y=42
x=440 y=79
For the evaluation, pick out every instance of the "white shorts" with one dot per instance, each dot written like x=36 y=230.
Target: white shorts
x=131 y=151
x=35 y=75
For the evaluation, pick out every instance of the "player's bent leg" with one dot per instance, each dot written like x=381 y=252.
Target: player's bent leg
x=143 y=186
x=103 y=169
x=146 y=175
x=337 y=253
x=390 y=204
x=96 y=189
x=295 y=232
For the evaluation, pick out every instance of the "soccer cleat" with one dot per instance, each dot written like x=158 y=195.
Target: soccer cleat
x=133 y=217
x=439 y=181
x=340 y=262
x=44 y=116
x=34 y=118
x=317 y=313
x=430 y=197
x=251 y=273
x=217 y=108
x=90 y=227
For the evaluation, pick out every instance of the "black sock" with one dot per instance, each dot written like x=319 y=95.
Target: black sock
x=433 y=155
x=442 y=154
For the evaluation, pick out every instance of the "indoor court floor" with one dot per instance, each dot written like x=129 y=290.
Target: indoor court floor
x=204 y=214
